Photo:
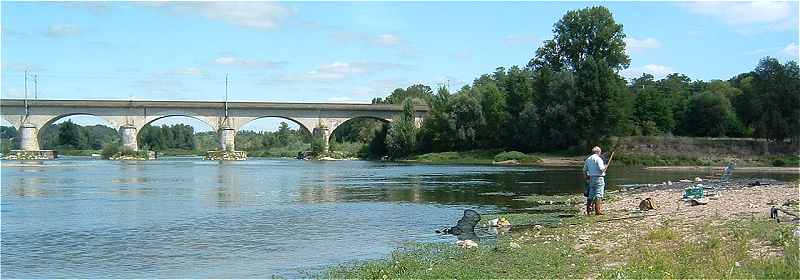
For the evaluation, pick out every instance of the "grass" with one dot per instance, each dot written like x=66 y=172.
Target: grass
x=474 y=157
x=724 y=251
x=525 y=258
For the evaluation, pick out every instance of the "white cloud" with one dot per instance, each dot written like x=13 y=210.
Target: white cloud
x=634 y=45
x=247 y=63
x=338 y=71
x=521 y=39
x=190 y=71
x=772 y=15
x=258 y=15
x=387 y=40
x=63 y=30
x=658 y=71
x=21 y=67
x=791 y=50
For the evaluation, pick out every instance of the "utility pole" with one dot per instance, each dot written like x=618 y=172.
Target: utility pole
x=36 y=86
x=26 y=93
x=226 y=96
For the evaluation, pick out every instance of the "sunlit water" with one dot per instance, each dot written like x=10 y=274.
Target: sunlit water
x=188 y=218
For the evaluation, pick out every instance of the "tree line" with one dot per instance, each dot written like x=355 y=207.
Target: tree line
x=571 y=95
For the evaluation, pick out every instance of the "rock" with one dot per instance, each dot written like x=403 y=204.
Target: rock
x=507 y=162
x=467 y=244
x=514 y=245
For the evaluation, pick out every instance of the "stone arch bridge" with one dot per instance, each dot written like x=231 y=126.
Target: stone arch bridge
x=129 y=117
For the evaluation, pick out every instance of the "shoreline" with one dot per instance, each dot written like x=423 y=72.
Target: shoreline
x=671 y=241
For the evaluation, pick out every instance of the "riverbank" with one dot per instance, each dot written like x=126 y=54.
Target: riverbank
x=730 y=237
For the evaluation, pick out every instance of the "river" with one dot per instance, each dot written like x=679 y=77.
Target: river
x=260 y=218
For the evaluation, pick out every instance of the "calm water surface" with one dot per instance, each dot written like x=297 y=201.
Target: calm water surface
x=188 y=218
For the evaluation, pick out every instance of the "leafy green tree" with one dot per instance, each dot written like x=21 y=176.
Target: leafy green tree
x=419 y=94
x=710 y=114
x=465 y=119
x=69 y=135
x=495 y=113
x=552 y=120
x=776 y=99
x=589 y=33
x=435 y=133
x=652 y=110
x=679 y=89
x=402 y=134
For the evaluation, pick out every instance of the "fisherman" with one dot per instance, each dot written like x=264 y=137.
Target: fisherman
x=595 y=170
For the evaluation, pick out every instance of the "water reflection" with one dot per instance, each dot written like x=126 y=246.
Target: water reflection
x=228 y=192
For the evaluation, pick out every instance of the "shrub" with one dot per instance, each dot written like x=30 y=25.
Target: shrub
x=109 y=150
x=512 y=155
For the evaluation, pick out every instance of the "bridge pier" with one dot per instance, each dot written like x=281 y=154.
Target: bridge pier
x=28 y=137
x=324 y=133
x=227 y=138
x=127 y=134
x=29 y=145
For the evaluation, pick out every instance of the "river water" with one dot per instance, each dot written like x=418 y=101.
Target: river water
x=260 y=218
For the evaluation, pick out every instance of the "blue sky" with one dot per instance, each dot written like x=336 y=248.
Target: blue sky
x=350 y=51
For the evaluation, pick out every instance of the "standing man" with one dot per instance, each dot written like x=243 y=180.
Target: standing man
x=595 y=170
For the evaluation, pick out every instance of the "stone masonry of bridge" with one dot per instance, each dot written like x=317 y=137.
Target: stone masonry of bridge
x=129 y=117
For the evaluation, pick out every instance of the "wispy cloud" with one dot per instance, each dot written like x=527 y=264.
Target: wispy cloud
x=247 y=62
x=190 y=71
x=791 y=50
x=763 y=15
x=521 y=39
x=338 y=71
x=21 y=67
x=257 y=15
x=62 y=30
x=387 y=40
x=637 y=45
x=658 y=71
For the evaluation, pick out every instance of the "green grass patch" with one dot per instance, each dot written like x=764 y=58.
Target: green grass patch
x=474 y=157
x=726 y=251
x=446 y=261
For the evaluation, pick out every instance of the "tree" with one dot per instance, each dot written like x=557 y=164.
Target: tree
x=495 y=113
x=652 y=110
x=590 y=44
x=465 y=119
x=710 y=114
x=402 y=134
x=69 y=135
x=776 y=99
x=434 y=135
x=581 y=35
x=419 y=94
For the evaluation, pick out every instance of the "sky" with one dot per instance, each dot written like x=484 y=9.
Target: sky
x=349 y=51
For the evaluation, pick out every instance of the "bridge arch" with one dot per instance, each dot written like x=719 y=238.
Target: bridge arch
x=141 y=139
x=43 y=127
x=179 y=113
x=354 y=119
x=245 y=122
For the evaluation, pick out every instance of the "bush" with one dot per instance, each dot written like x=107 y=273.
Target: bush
x=512 y=155
x=109 y=150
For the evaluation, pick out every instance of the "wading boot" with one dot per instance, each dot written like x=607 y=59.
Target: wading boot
x=589 y=207
x=598 y=206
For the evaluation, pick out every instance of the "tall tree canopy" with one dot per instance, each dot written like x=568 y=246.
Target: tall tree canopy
x=581 y=35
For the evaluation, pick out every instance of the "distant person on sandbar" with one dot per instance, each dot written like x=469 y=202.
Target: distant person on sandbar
x=595 y=170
